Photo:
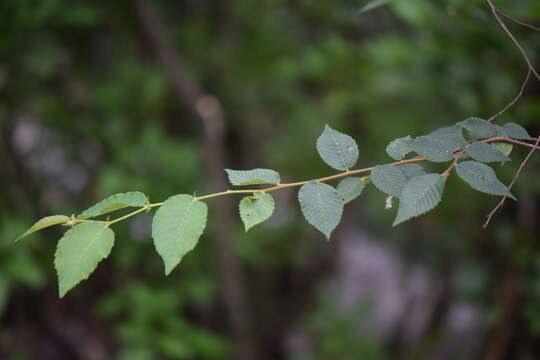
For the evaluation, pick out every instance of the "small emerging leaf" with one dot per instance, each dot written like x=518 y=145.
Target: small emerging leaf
x=482 y=178
x=350 y=188
x=479 y=128
x=321 y=205
x=483 y=152
x=256 y=209
x=389 y=179
x=516 y=131
x=113 y=203
x=253 y=177
x=398 y=148
x=337 y=149
x=44 y=223
x=176 y=228
x=421 y=194
x=79 y=252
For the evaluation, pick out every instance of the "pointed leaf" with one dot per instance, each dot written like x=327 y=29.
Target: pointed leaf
x=79 y=251
x=421 y=194
x=113 y=203
x=321 y=205
x=432 y=148
x=256 y=209
x=483 y=152
x=337 y=149
x=44 y=223
x=350 y=188
x=411 y=170
x=451 y=136
x=479 y=128
x=516 y=131
x=176 y=228
x=398 y=148
x=389 y=179
x=482 y=178
x=253 y=177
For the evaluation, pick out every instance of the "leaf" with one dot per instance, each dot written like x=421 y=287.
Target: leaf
x=432 y=148
x=398 y=148
x=479 y=128
x=483 y=152
x=482 y=178
x=113 y=203
x=253 y=177
x=176 y=228
x=337 y=149
x=350 y=188
x=421 y=194
x=451 y=136
x=389 y=179
x=256 y=209
x=411 y=170
x=44 y=223
x=79 y=251
x=321 y=205
x=516 y=131
x=503 y=147
x=373 y=4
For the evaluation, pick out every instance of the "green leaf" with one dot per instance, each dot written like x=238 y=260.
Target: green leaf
x=516 y=131
x=253 y=177
x=482 y=178
x=321 y=205
x=350 y=188
x=479 y=128
x=44 y=223
x=373 y=4
x=421 y=194
x=389 y=179
x=337 y=149
x=483 y=152
x=256 y=209
x=451 y=136
x=113 y=203
x=432 y=148
x=398 y=148
x=503 y=147
x=411 y=170
x=79 y=251
x=176 y=228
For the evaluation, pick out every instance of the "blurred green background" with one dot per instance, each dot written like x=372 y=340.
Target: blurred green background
x=91 y=103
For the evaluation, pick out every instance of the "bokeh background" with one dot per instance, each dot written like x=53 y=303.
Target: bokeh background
x=99 y=97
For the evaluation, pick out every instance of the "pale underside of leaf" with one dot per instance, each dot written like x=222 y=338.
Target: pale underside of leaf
x=389 y=179
x=411 y=170
x=79 y=252
x=253 y=177
x=420 y=195
x=482 y=178
x=350 y=188
x=321 y=205
x=338 y=150
x=44 y=223
x=483 y=152
x=113 y=203
x=176 y=228
x=256 y=209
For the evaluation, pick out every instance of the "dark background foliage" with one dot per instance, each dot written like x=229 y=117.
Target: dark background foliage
x=99 y=97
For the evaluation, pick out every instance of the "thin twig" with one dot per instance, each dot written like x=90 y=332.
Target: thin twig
x=518 y=96
x=518 y=172
x=519 y=22
x=514 y=40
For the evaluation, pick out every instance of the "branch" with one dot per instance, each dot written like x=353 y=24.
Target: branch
x=519 y=22
x=515 y=100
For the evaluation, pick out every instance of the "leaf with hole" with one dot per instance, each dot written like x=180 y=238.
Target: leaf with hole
x=420 y=195
x=79 y=252
x=321 y=205
x=113 y=203
x=177 y=227
x=483 y=152
x=337 y=149
x=256 y=208
x=45 y=223
x=398 y=148
x=253 y=177
x=350 y=188
x=482 y=178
